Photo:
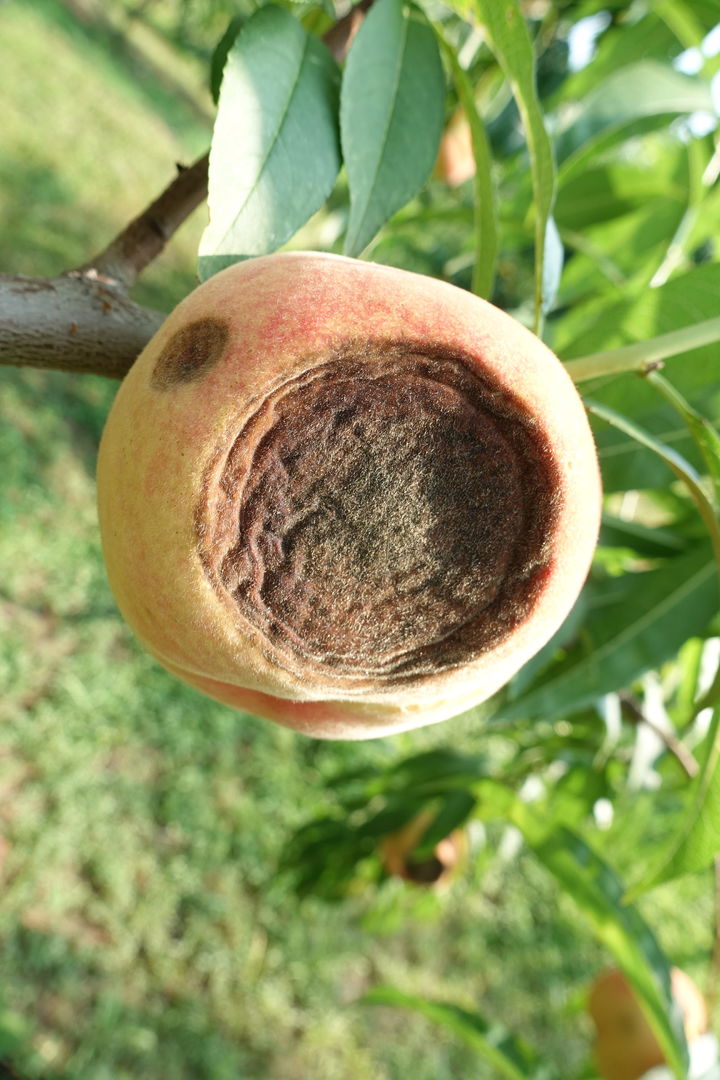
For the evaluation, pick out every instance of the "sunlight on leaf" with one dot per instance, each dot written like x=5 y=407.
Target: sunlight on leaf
x=275 y=152
x=682 y=468
x=392 y=108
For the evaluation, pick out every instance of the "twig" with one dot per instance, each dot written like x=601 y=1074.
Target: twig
x=671 y=742
x=340 y=37
x=145 y=237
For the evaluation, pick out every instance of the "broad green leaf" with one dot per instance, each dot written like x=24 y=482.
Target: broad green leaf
x=455 y=809
x=275 y=153
x=704 y=434
x=630 y=101
x=646 y=38
x=434 y=771
x=392 y=107
x=696 y=844
x=486 y=239
x=611 y=189
x=598 y=893
x=637 y=630
x=653 y=543
x=619 y=256
x=571 y=798
x=396 y=813
x=503 y=1051
x=593 y=330
x=675 y=461
x=641 y=358
x=508 y=38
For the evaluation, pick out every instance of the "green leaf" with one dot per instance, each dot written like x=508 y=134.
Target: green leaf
x=682 y=468
x=704 y=434
x=636 y=630
x=503 y=1051
x=509 y=40
x=432 y=768
x=613 y=188
x=646 y=38
x=639 y=357
x=684 y=306
x=682 y=20
x=572 y=797
x=392 y=108
x=631 y=101
x=275 y=152
x=454 y=811
x=484 y=211
x=620 y=256
x=598 y=893
x=653 y=543
x=696 y=844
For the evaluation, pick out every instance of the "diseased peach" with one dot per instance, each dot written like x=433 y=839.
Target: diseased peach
x=345 y=497
x=625 y=1045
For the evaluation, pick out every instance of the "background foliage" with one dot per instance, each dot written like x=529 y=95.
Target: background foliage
x=188 y=892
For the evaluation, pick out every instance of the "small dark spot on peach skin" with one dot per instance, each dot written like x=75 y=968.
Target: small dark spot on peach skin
x=190 y=353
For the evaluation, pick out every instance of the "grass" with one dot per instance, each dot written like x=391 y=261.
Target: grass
x=144 y=930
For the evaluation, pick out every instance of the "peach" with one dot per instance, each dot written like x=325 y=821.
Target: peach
x=345 y=497
x=625 y=1045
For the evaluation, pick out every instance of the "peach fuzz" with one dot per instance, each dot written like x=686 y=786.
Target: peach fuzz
x=345 y=497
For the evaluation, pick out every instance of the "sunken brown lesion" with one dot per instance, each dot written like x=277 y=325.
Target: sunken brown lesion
x=190 y=353
x=382 y=516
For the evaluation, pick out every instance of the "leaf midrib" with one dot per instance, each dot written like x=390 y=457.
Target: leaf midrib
x=391 y=113
x=273 y=141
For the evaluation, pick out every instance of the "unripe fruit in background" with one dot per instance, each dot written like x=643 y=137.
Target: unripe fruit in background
x=625 y=1045
x=436 y=871
x=345 y=497
x=456 y=160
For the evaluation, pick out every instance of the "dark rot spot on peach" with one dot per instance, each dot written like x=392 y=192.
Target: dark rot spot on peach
x=190 y=353
x=385 y=515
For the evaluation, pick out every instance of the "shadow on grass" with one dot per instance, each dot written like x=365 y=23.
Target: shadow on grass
x=151 y=83
x=109 y=1031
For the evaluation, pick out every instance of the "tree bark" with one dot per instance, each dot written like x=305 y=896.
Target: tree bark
x=79 y=322
x=83 y=320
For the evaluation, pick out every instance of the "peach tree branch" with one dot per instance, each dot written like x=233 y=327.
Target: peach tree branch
x=84 y=320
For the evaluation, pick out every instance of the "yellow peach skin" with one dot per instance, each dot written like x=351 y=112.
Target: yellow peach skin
x=348 y=498
x=625 y=1046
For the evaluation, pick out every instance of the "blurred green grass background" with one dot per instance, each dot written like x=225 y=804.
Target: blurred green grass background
x=143 y=929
